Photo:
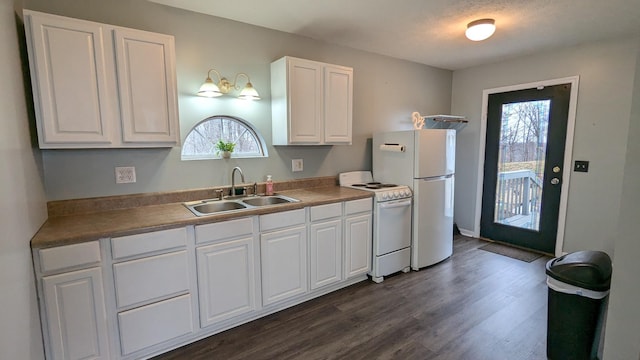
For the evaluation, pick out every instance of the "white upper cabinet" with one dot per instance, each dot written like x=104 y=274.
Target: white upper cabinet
x=299 y=119
x=72 y=90
x=311 y=102
x=101 y=86
x=147 y=86
x=338 y=104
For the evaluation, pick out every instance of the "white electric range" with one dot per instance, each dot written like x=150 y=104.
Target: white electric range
x=391 y=223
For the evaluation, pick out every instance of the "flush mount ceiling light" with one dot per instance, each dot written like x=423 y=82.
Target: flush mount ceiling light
x=479 y=30
x=211 y=89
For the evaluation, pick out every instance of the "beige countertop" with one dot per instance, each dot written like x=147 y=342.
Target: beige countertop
x=82 y=227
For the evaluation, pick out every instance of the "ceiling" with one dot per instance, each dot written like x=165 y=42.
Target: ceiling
x=431 y=32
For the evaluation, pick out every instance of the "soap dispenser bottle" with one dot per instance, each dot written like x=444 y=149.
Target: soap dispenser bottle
x=269 y=186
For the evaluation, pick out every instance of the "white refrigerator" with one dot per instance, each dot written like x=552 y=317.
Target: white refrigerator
x=425 y=161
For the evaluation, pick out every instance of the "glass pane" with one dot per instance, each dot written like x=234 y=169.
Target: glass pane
x=201 y=141
x=523 y=145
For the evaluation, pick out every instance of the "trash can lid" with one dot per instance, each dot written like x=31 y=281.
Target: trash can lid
x=586 y=269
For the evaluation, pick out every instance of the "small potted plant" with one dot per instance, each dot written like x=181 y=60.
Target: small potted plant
x=225 y=149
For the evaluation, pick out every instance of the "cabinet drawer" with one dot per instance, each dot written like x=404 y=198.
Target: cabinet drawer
x=140 y=244
x=156 y=323
x=357 y=206
x=224 y=230
x=151 y=278
x=62 y=257
x=327 y=211
x=281 y=219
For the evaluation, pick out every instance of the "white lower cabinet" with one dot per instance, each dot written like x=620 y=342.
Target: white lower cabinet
x=325 y=239
x=151 y=278
x=226 y=270
x=283 y=256
x=357 y=237
x=72 y=301
x=154 y=324
x=158 y=285
x=75 y=315
x=152 y=289
x=284 y=264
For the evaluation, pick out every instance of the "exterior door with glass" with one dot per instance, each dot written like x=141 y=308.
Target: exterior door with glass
x=526 y=135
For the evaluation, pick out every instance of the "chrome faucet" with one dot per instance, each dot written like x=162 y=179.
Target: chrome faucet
x=233 y=179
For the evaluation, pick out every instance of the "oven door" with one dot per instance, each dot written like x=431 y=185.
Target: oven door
x=392 y=226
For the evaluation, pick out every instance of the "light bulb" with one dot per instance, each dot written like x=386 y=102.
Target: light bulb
x=479 y=30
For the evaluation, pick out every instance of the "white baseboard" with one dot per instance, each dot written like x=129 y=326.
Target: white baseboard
x=466 y=232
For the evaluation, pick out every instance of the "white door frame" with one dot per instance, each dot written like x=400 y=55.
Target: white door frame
x=568 y=149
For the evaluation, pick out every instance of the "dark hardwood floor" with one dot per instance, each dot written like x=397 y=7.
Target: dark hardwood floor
x=476 y=305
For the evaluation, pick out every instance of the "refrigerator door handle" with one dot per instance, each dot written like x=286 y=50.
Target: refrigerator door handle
x=432 y=178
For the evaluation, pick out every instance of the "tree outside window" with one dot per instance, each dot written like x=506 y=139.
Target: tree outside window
x=201 y=141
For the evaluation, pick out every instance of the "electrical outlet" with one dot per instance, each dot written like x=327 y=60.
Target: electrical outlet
x=296 y=165
x=126 y=174
x=581 y=166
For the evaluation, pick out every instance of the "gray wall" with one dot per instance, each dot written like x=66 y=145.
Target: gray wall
x=386 y=91
x=22 y=202
x=622 y=340
x=604 y=101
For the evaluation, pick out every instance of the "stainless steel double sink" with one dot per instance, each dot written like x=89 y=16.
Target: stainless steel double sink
x=215 y=206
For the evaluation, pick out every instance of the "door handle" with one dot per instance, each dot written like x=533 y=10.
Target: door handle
x=394 y=204
x=555 y=181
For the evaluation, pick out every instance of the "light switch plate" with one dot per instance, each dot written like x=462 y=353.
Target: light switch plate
x=581 y=166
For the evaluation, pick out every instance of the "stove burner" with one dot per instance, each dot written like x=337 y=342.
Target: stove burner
x=359 y=185
x=388 y=185
x=373 y=186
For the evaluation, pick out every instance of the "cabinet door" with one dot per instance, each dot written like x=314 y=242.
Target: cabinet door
x=338 y=104
x=326 y=253
x=358 y=238
x=226 y=280
x=72 y=76
x=75 y=315
x=304 y=94
x=147 y=86
x=284 y=264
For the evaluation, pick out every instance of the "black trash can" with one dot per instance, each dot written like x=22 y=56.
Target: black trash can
x=578 y=293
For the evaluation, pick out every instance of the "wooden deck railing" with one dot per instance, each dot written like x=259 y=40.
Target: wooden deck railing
x=518 y=193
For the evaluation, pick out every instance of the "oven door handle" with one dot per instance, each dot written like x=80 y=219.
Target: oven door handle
x=394 y=204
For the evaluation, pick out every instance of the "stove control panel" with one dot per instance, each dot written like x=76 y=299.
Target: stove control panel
x=393 y=194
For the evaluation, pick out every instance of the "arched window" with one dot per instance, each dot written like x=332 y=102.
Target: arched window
x=201 y=141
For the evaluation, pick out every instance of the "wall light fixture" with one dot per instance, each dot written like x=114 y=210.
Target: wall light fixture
x=224 y=86
x=479 y=30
